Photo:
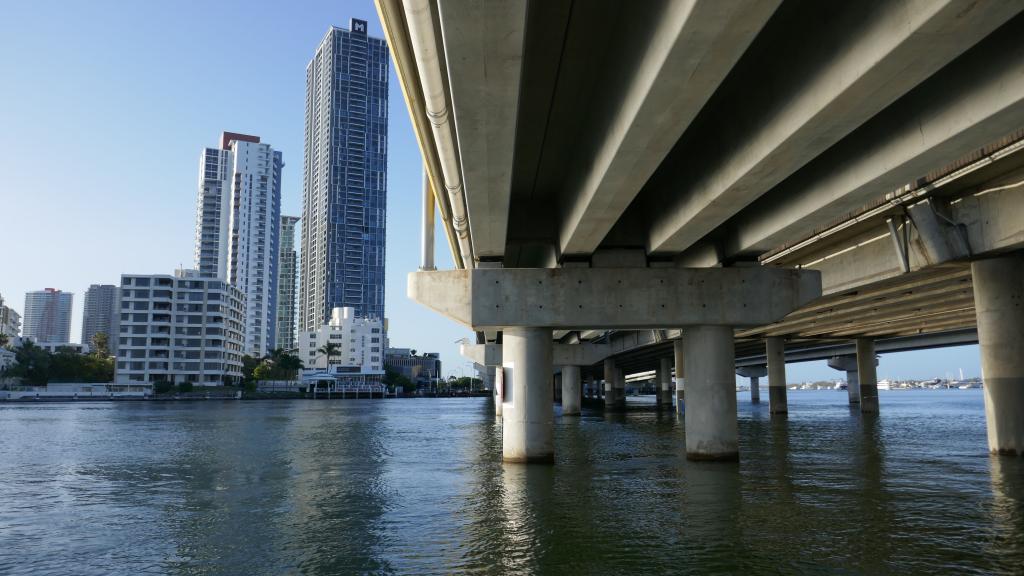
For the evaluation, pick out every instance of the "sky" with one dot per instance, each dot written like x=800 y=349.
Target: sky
x=105 y=106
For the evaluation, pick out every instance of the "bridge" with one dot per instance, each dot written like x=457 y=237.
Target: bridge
x=699 y=187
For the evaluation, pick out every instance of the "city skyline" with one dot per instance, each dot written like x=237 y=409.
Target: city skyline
x=150 y=228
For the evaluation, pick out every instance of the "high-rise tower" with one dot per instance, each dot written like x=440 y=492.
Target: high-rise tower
x=286 y=277
x=100 y=314
x=237 y=227
x=48 y=316
x=345 y=177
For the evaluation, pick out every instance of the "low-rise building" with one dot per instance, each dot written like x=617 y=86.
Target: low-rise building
x=360 y=343
x=420 y=369
x=54 y=347
x=180 y=328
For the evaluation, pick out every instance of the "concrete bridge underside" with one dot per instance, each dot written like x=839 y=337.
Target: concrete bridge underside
x=695 y=187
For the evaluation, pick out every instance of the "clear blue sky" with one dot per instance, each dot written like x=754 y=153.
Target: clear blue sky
x=105 y=106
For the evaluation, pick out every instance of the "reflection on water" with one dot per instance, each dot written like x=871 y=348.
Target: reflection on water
x=417 y=486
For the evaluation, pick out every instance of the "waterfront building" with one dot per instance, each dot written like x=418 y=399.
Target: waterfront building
x=100 y=314
x=345 y=177
x=420 y=369
x=360 y=343
x=286 y=285
x=237 y=224
x=48 y=315
x=10 y=321
x=182 y=328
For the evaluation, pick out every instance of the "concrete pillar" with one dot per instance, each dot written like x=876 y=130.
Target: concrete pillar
x=528 y=414
x=848 y=364
x=866 y=362
x=620 y=389
x=754 y=373
x=711 y=429
x=498 y=380
x=614 y=386
x=678 y=348
x=609 y=382
x=664 y=383
x=570 y=390
x=999 y=305
x=776 y=351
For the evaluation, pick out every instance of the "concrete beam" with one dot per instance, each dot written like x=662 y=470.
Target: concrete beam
x=883 y=314
x=814 y=101
x=483 y=44
x=856 y=310
x=902 y=343
x=970 y=103
x=752 y=371
x=581 y=298
x=684 y=58
x=583 y=354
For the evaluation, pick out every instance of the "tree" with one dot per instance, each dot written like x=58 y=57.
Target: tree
x=3 y=340
x=249 y=364
x=32 y=364
x=100 y=344
x=278 y=365
x=37 y=366
x=395 y=378
x=330 y=350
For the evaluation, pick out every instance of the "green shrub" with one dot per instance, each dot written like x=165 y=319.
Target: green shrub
x=162 y=387
x=185 y=387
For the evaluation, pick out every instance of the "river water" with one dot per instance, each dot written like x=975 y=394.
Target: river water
x=417 y=487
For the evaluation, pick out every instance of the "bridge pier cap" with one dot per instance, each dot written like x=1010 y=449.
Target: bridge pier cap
x=613 y=298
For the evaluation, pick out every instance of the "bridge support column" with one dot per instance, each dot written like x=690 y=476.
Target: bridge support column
x=775 y=350
x=853 y=386
x=663 y=393
x=711 y=429
x=868 y=379
x=620 y=389
x=848 y=364
x=528 y=413
x=570 y=390
x=614 y=386
x=497 y=382
x=999 y=305
x=754 y=373
x=678 y=349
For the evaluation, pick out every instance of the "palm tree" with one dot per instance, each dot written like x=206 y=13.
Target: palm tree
x=329 y=350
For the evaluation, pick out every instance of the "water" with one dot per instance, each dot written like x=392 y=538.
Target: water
x=417 y=487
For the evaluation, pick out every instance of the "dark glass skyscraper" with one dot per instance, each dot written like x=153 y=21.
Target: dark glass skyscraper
x=345 y=177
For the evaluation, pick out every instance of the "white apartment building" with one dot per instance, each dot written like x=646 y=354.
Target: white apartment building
x=180 y=328
x=238 y=227
x=360 y=342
